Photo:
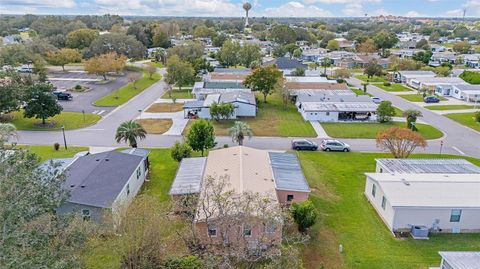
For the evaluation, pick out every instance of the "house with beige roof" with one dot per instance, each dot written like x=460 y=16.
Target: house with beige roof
x=275 y=176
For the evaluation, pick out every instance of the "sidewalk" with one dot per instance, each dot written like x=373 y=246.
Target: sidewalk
x=319 y=129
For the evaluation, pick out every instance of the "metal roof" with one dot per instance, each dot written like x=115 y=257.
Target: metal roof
x=238 y=96
x=232 y=70
x=462 y=259
x=193 y=104
x=223 y=85
x=339 y=107
x=287 y=172
x=136 y=151
x=435 y=166
x=189 y=176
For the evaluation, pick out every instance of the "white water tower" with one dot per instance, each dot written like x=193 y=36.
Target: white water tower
x=246 y=6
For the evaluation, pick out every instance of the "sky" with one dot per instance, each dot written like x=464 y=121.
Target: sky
x=233 y=8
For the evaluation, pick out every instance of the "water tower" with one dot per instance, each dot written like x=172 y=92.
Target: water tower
x=247 y=6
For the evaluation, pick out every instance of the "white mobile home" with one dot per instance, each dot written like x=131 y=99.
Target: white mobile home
x=466 y=92
x=426 y=166
x=431 y=83
x=244 y=103
x=338 y=111
x=406 y=76
x=440 y=202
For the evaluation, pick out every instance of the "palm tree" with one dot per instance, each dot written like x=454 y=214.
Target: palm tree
x=129 y=131
x=238 y=132
x=412 y=115
x=7 y=131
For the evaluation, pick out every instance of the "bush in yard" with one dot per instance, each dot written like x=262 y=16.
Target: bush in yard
x=477 y=116
x=304 y=214
x=78 y=87
x=56 y=146
x=412 y=115
x=185 y=262
x=387 y=84
x=385 y=111
x=180 y=151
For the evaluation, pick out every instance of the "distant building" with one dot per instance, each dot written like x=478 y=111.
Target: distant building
x=286 y=65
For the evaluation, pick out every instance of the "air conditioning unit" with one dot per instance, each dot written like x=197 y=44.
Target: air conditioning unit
x=419 y=232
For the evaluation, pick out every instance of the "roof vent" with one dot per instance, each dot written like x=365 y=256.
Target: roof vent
x=83 y=186
x=405 y=182
x=226 y=169
x=72 y=186
x=97 y=160
x=107 y=159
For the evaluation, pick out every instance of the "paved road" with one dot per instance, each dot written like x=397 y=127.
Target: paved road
x=458 y=139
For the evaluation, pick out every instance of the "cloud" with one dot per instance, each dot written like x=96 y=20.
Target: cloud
x=413 y=13
x=28 y=4
x=295 y=9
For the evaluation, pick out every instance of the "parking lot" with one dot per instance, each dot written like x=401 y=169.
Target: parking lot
x=83 y=101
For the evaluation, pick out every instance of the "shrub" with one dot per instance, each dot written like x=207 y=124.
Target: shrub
x=477 y=116
x=56 y=146
x=387 y=84
x=180 y=151
x=341 y=80
x=304 y=214
x=225 y=145
x=78 y=87
x=186 y=262
x=385 y=111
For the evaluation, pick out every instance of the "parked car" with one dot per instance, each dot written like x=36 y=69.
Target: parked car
x=377 y=100
x=431 y=99
x=304 y=144
x=63 y=96
x=334 y=145
x=25 y=69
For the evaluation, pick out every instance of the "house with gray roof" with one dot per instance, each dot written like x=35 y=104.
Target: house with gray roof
x=286 y=65
x=244 y=104
x=103 y=182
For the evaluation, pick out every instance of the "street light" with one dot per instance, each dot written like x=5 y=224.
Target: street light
x=64 y=139
x=140 y=111
x=441 y=146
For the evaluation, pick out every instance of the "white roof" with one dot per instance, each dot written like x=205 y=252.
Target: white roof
x=210 y=99
x=340 y=106
x=414 y=74
x=439 y=80
x=428 y=166
x=189 y=176
x=430 y=190
x=308 y=79
x=462 y=259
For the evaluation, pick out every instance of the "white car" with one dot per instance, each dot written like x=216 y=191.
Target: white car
x=376 y=100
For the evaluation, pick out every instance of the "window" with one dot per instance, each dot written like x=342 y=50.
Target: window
x=374 y=190
x=86 y=214
x=290 y=197
x=212 y=230
x=327 y=113
x=139 y=172
x=128 y=189
x=247 y=230
x=270 y=228
x=384 y=202
x=455 y=215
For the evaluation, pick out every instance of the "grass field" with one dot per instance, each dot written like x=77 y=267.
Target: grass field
x=176 y=93
x=155 y=126
x=346 y=218
x=71 y=120
x=127 y=92
x=370 y=130
x=156 y=64
x=271 y=120
x=417 y=97
x=165 y=107
x=358 y=91
x=449 y=107
x=47 y=152
x=372 y=79
x=394 y=88
x=398 y=112
x=467 y=119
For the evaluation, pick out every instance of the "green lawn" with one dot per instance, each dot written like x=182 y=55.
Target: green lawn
x=394 y=88
x=271 y=120
x=370 y=130
x=156 y=64
x=467 y=119
x=417 y=97
x=47 y=152
x=71 y=120
x=127 y=92
x=372 y=79
x=346 y=218
x=398 y=112
x=183 y=94
x=449 y=107
x=358 y=91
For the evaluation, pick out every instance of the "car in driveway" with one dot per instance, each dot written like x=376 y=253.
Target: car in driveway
x=431 y=99
x=334 y=145
x=304 y=144
x=63 y=96
x=377 y=100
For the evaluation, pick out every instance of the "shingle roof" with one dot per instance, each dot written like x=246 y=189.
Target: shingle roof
x=189 y=176
x=438 y=166
x=287 y=172
x=97 y=179
x=238 y=96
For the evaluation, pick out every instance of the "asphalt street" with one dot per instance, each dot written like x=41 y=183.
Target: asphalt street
x=458 y=139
